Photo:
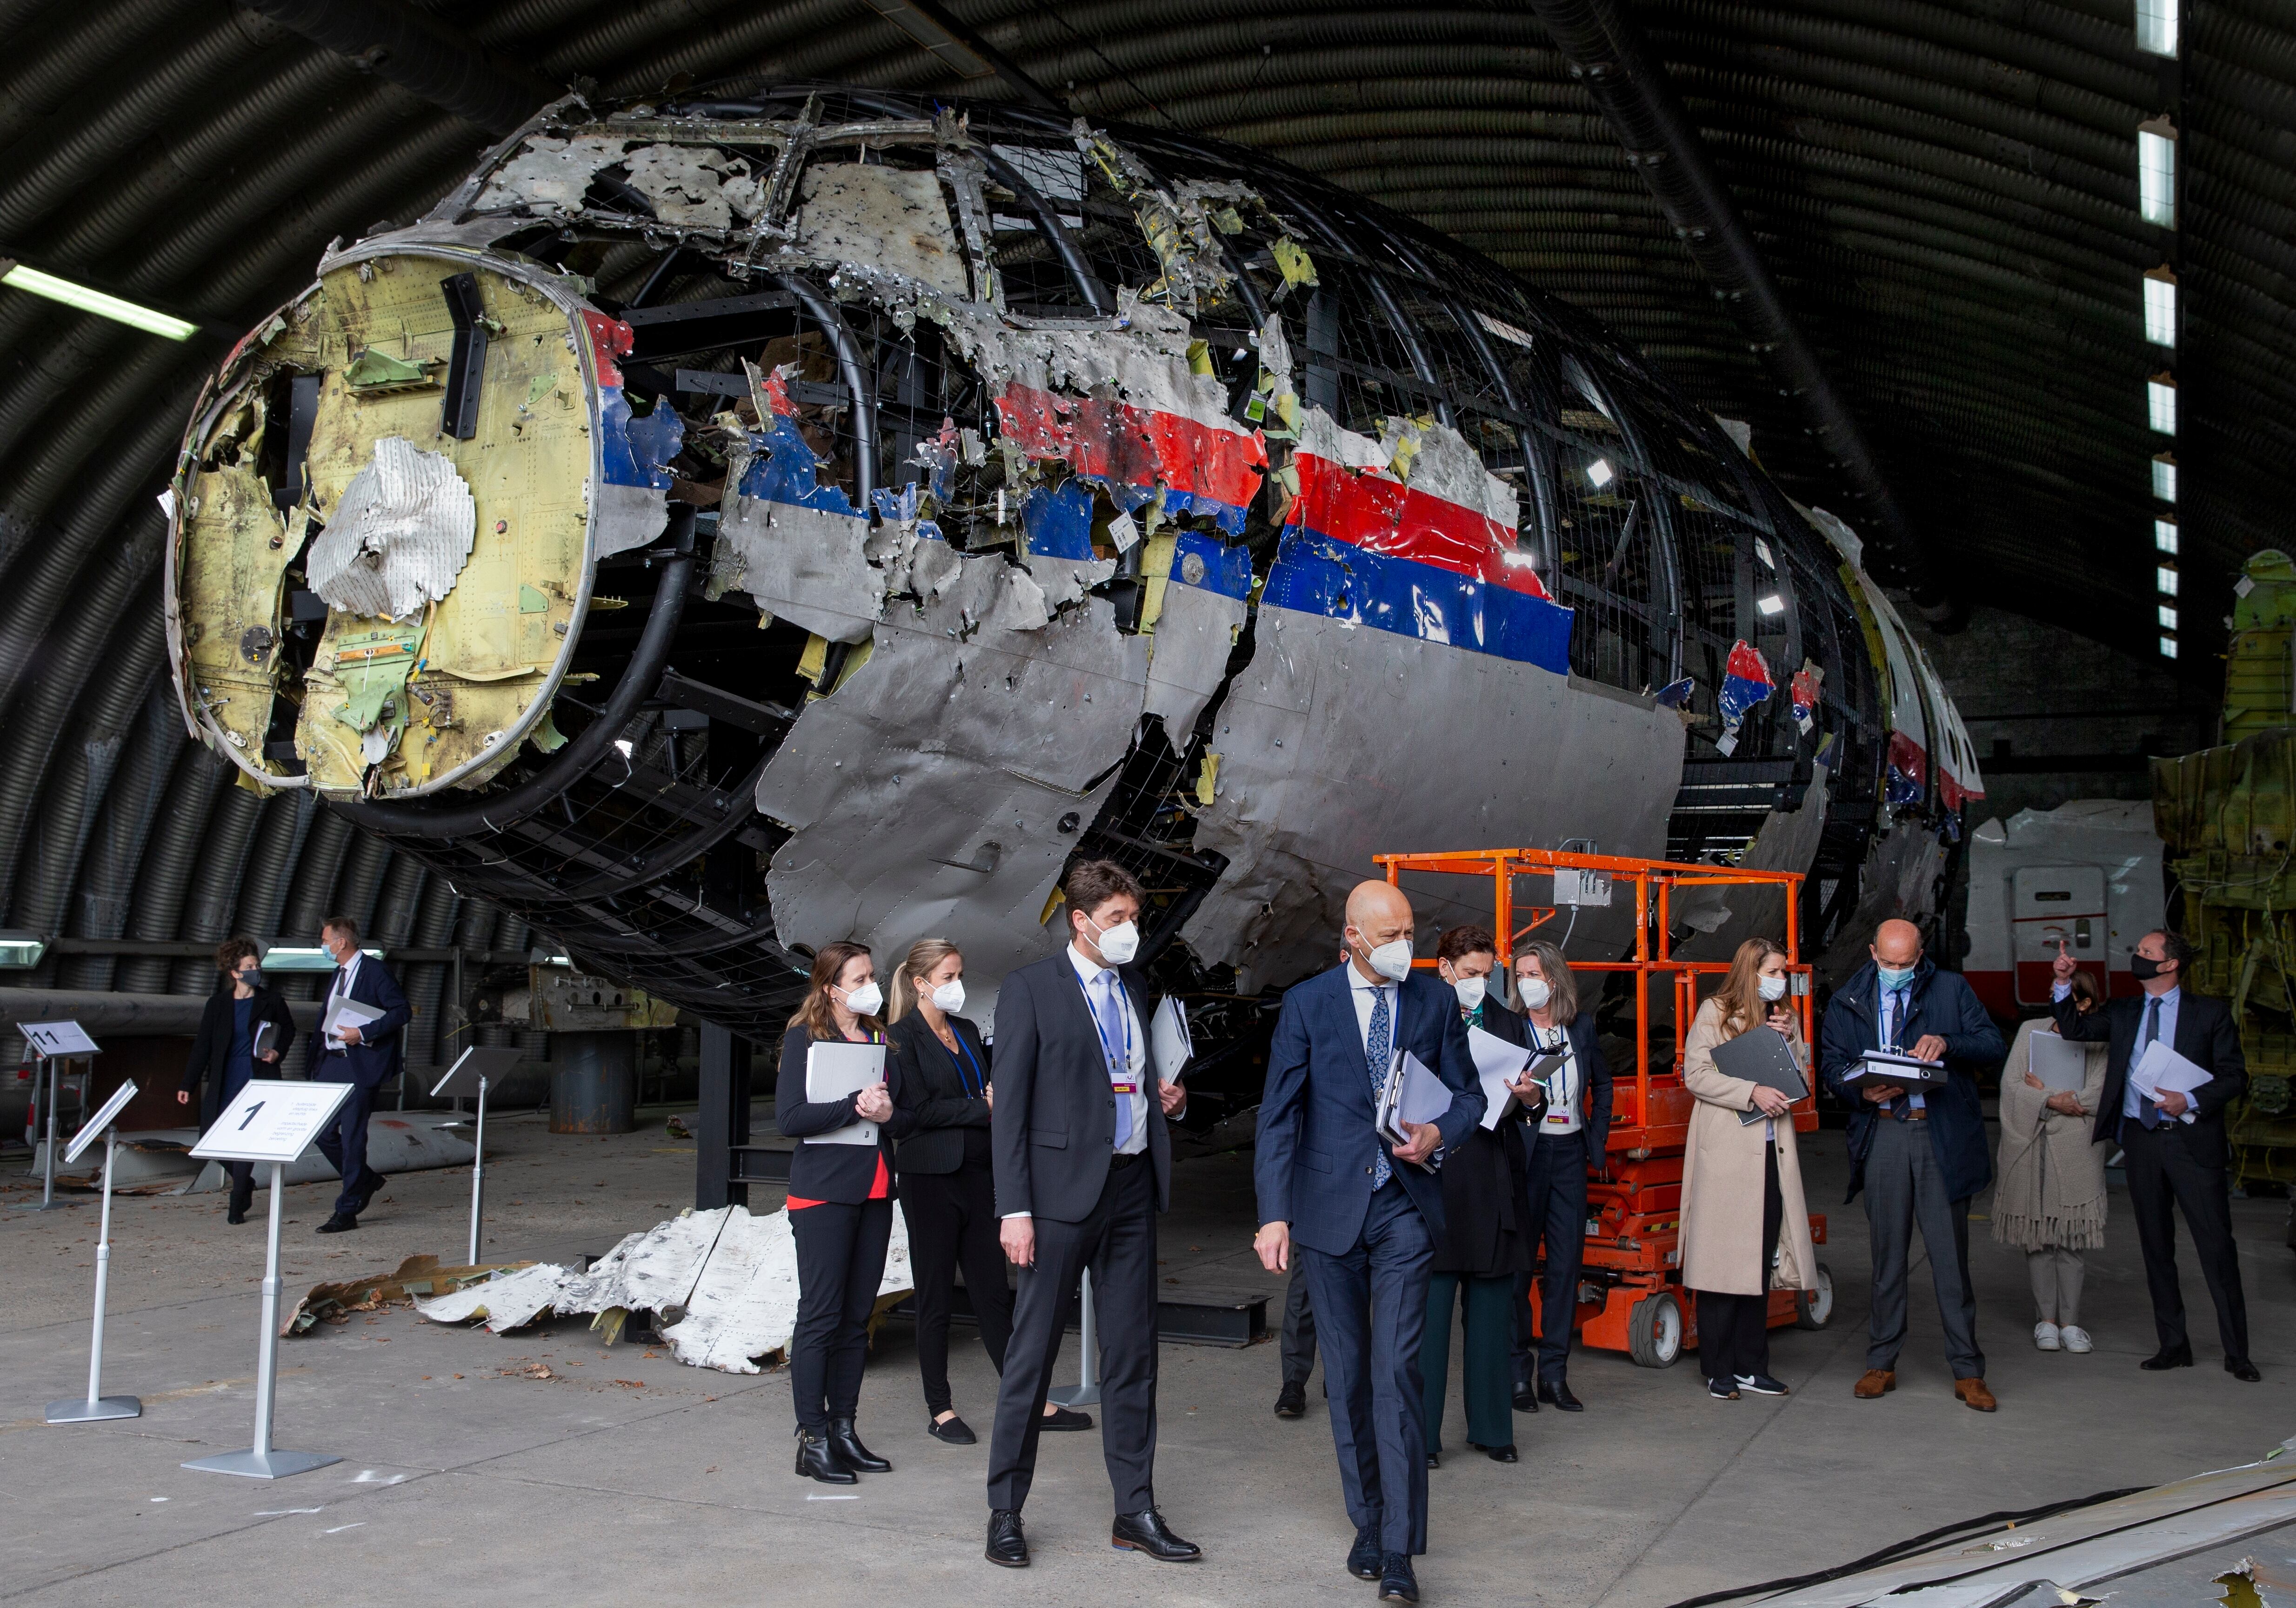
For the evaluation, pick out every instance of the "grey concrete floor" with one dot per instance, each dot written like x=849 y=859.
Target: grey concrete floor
x=629 y=1476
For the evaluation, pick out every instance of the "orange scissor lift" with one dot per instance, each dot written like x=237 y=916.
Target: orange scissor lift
x=1630 y=1293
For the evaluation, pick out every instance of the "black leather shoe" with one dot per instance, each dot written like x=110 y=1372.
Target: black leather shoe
x=2244 y=1370
x=1497 y=1454
x=1066 y=1418
x=1526 y=1398
x=1006 y=1544
x=954 y=1431
x=1363 y=1557
x=817 y=1460
x=343 y=1222
x=2167 y=1356
x=850 y=1452
x=1147 y=1532
x=1557 y=1394
x=236 y=1215
x=1291 y=1400
x=1434 y=1459
x=1396 y=1583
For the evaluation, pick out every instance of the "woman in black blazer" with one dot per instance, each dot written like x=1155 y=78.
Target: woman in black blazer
x=840 y=1213
x=224 y=1055
x=1570 y=1137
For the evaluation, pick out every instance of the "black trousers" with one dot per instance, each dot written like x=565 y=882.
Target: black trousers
x=344 y=1144
x=2169 y=1171
x=841 y=1261
x=952 y=1218
x=1733 y=1331
x=1556 y=1184
x=1116 y=1240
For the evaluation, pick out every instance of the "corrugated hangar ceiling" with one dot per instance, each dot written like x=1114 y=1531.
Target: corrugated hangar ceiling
x=1906 y=242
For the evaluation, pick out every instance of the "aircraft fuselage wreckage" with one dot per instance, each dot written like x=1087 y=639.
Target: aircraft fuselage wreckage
x=723 y=527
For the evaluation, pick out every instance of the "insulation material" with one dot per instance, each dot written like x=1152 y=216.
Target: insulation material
x=1325 y=738
x=722 y=1284
x=696 y=185
x=551 y=173
x=888 y=218
x=400 y=536
x=938 y=791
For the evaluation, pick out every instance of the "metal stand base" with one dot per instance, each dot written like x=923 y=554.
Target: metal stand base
x=261 y=1465
x=79 y=1409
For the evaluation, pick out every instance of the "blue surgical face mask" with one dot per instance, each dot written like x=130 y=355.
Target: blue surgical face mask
x=1893 y=977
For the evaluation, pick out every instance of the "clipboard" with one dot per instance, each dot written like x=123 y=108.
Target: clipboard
x=834 y=1071
x=1762 y=1055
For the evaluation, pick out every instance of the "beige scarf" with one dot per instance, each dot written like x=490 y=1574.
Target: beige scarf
x=2050 y=1192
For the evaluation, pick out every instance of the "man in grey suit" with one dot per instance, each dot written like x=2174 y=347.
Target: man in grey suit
x=1365 y=1214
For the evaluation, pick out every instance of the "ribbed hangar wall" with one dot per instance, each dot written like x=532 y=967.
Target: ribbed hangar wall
x=1947 y=191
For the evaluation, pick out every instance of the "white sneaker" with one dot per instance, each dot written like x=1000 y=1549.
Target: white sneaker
x=2045 y=1337
x=2076 y=1340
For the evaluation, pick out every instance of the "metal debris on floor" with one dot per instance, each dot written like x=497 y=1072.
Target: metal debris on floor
x=417 y=1276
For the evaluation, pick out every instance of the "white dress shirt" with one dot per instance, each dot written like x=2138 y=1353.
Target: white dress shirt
x=1135 y=1049
x=1915 y=1101
x=1362 y=990
x=2129 y=1097
x=345 y=975
x=1563 y=1085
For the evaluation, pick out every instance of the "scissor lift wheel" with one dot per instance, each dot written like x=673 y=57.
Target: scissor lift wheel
x=1654 y=1331
x=1814 y=1309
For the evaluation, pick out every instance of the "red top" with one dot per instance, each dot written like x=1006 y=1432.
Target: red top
x=878 y=1190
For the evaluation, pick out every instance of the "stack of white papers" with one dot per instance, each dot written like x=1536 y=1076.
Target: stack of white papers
x=834 y=1071
x=1497 y=1063
x=2160 y=1070
x=347 y=1012
x=1168 y=1043
x=1413 y=1094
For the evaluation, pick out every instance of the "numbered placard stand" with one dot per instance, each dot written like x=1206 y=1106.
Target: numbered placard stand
x=51 y=1041
x=473 y=1072
x=98 y=1406
x=270 y=1121
x=1086 y=1392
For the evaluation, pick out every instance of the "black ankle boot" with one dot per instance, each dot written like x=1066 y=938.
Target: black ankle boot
x=817 y=1460
x=847 y=1445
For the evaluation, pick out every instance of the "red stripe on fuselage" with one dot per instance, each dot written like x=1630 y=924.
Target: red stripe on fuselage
x=1127 y=446
x=1380 y=515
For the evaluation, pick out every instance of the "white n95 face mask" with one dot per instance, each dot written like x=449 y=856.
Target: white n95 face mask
x=865 y=1000
x=1774 y=988
x=1118 y=944
x=950 y=997
x=1534 y=992
x=1471 y=991
x=1392 y=960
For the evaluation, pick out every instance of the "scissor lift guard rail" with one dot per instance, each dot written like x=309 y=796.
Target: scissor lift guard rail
x=1630 y=1294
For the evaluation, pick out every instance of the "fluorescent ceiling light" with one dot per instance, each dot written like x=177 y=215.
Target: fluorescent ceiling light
x=149 y=319
x=2164 y=535
x=2168 y=617
x=2157 y=26
x=2161 y=307
x=2164 y=579
x=282 y=957
x=2160 y=403
x=1599 y=473
x=1772 y=604
x=17 y=948
x=2156 y=172
x=2164 y=477
x=2167 y=647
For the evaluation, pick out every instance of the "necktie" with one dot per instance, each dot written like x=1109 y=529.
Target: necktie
x=1110 y=1013
x=2148 y=1113
x=1897 y=1017
x=1379 y=1054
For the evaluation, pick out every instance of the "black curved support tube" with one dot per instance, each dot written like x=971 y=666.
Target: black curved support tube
x=421 y=819
x=860 y=380
x=1048 y=218
x=1607 y=55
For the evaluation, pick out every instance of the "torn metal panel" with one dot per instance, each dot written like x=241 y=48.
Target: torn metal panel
x=892 y=217
x=937 y=792
x=551 y=173
x=1195 y=608
x=334 y=1301
x=1338 y=741
x=400 y=536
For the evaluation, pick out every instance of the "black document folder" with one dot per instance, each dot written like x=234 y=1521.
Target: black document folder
x=1761 y=1055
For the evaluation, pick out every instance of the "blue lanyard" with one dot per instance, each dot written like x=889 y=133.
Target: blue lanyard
x=1116 y=1068
x=966 y=1050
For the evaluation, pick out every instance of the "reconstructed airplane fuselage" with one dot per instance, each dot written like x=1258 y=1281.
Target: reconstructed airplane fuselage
x=723 y=527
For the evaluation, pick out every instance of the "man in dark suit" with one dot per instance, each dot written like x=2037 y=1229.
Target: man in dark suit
x=1365 y=1214
x=2174 y=1150
x=1918 y=1155
x=1083 y=1167
x=366 y=1057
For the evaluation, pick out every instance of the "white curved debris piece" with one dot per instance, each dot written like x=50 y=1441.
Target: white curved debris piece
x=400 y=536
x=731 y=1278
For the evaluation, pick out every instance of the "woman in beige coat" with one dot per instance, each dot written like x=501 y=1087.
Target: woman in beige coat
x=1745 y=1227
x=2049 y=1199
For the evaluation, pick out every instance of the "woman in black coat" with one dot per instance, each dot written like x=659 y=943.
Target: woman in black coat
x=840 y=1213
x=1483 y=1247
x=223 y=1053
x=1569 y=1138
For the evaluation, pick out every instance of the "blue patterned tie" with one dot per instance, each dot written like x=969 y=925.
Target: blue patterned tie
x=2148 y=1113
x=1379 y=1053
x=1114 y=1039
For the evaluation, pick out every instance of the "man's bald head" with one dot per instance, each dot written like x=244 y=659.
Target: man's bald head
x=1896 y=945
x=1377 y=914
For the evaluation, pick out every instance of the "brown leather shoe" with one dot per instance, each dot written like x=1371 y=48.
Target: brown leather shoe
x=1973 y=1393
x=1876 y=1382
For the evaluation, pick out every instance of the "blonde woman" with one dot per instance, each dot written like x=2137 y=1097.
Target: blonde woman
x=1745 y=1225
x=2048 y=1200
